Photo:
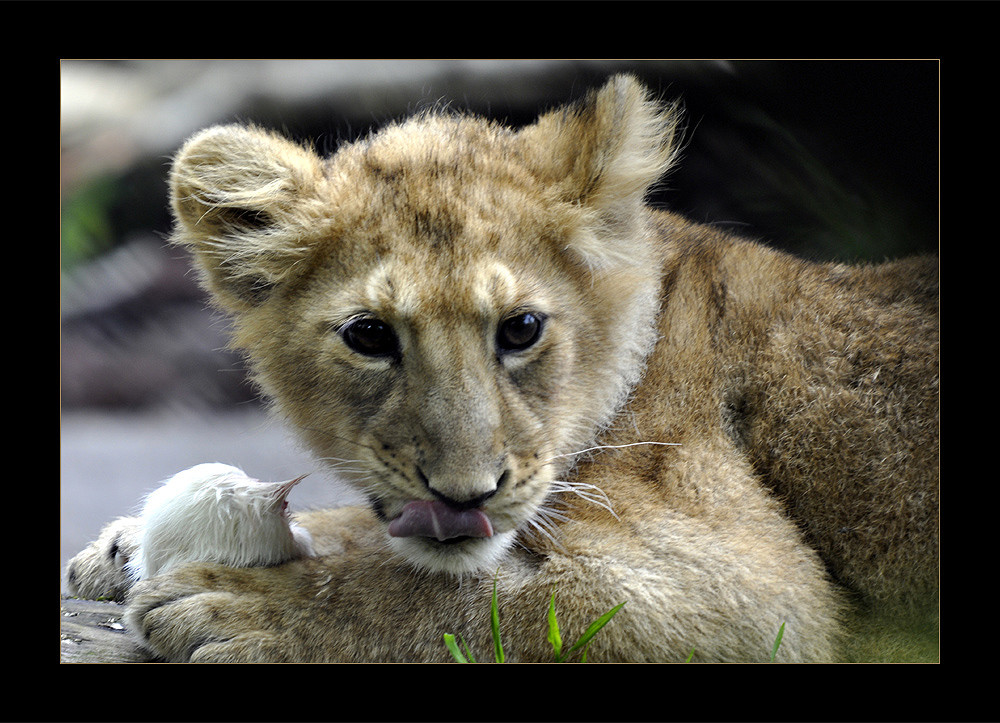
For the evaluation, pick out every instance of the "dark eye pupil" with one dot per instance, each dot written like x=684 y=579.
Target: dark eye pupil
x=519 y=332
x=370 y=337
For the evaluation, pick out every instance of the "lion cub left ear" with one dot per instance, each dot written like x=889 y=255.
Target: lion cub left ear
x=242 y=198
x=601 y=155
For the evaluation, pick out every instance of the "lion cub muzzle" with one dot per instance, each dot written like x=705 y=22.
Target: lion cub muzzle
x=445 y=518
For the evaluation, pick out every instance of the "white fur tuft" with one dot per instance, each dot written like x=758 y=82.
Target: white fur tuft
x=216 y=513
x=478 y=555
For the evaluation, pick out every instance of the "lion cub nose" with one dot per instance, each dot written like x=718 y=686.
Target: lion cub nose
x=461 y=494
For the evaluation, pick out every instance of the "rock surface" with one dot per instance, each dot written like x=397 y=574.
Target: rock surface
x=91 y=631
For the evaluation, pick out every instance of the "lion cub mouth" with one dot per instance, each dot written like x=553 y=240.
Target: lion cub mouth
x=433 y=518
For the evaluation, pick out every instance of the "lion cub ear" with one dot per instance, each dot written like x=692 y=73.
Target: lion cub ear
x=242 y=198
x=602 y=154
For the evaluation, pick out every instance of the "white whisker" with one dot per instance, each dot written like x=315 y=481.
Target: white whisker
x=340 y=460
x=586 y=491
x=541 y=524
x=551 y=516
x=613 y=446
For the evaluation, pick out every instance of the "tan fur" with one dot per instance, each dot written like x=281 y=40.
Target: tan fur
x=802 y=400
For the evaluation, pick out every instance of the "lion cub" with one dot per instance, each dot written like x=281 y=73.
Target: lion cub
x=532 y=374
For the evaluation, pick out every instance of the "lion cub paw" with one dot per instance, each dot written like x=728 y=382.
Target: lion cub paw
x=100 y=570
x=199 y=614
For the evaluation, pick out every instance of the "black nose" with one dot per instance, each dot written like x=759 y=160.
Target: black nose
x=466 y=504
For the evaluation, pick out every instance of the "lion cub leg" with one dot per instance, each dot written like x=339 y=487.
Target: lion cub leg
x=687 y=584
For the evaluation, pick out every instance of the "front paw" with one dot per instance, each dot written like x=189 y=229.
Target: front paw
x=210 y=613
x=100 y=571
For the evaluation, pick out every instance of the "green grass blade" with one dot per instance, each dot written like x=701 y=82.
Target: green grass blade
x=495 y=626
x=554 y=638
x=690 y=655
x=777 y=641
x=449 y=640
x=594 y=627
x=468 y=653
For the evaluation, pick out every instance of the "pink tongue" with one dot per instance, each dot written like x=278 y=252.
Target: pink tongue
x=432 y=518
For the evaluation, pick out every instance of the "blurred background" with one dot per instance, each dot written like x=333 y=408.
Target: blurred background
x=832 y=160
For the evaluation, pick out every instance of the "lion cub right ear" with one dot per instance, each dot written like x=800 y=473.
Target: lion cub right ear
x=245 y=200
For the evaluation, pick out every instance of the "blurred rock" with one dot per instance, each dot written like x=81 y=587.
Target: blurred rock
x=137 y=332
x=93 y=632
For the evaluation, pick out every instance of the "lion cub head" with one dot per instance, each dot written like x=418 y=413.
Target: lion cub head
x=446 y=310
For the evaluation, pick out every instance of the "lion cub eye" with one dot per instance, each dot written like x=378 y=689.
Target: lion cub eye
x=519 y=332
x=370 y=337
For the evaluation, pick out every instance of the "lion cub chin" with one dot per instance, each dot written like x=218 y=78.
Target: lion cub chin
x=455 y=557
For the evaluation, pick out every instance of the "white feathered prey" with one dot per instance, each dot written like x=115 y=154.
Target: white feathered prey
x=217 y=513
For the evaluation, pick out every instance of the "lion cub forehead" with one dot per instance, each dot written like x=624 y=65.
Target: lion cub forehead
x=408 y=289
x=428 y=149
